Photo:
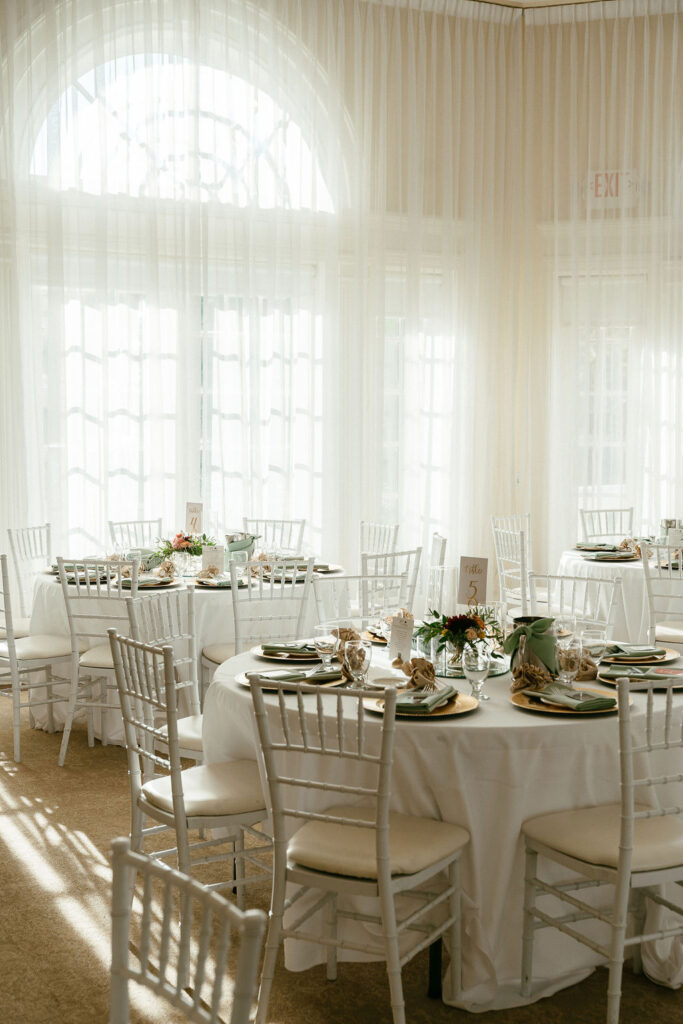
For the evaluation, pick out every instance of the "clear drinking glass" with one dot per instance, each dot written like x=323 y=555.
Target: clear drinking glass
x=357 y=658
x=594 y=642
x=325 y=642
x=564 y=624
x=568 y=652
x=476 y=661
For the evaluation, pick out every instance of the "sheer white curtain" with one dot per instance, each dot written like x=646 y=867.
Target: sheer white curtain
x=604 y=247
x=251 y=254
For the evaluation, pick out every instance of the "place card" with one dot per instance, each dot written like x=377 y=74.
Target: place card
x=213 y=556
x=472 y=582
x=401 y=636
x=193 y=516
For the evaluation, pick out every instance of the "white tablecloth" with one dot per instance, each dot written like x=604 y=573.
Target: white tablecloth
x=632 y=620
x=487 y=771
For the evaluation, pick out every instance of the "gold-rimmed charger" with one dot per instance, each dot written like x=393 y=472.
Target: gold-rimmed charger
x=522 y=700
x=648 y=659
x=242 y=680
x=284 y=655
x=612 y=560
x=459 y=704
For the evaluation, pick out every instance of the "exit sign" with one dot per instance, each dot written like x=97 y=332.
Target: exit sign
x=605 y=189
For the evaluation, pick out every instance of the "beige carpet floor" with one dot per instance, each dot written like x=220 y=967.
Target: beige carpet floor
x=55 y=829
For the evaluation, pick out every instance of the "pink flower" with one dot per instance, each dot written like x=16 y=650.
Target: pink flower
x=180 y=542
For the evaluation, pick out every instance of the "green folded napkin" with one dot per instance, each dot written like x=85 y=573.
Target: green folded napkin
x=420 y=702
x=640 y=672
x=538 y=640
x=611 y=556
x=295 y=647
x=296 y=675
x=587 y=546
x=620 y=650
x=577 y=700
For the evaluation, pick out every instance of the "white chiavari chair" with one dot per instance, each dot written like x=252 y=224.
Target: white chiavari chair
x=362 y=599
x=634 y=846
x=395 y=563
x=198 y=983
x=168 y=618
x=31 y=554
x=347 y=842
x=131 y=534
x=511 y=539
x=26 y=664
x=593 y=602
x=225 y=796
x=606 y=524
x=663 y=573
x=95 y=595
x=378 y=538
x=277 y=535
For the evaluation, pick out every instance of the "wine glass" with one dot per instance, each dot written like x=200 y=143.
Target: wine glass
x=594 y=641
x=568 y=651
x=564 y=625
x=476 y=661
x=357 y=658
x=325 y=643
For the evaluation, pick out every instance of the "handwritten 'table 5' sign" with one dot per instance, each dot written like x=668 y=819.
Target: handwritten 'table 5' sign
x=472 y=582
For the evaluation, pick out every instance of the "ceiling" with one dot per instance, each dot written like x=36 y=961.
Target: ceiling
x=533 y=3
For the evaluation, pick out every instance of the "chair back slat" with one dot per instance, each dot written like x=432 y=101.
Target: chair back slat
x=594 y=602
x=606 y=523
x=378 y=538
x=395 y=563
x=663 y=574
x=129 y=534
x=363 y=598
x=269 y=599
x=169 y=618
x=512 y=563
x=277 y=536
x=95 y=594
x=296 y=723
x=194 y=983
x=31 y=554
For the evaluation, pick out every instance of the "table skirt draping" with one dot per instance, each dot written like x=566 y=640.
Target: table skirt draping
x=214 y=624
x=487 y=771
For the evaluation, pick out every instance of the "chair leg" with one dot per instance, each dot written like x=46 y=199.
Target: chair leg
x=616 y=954
x=455 y=932
x=331 y=927
x=70 y=712
x=50 y=707
x=639 y=909
x=238 y=872
x=16 y=718
x=103 y=713
x=392 y=955
x=274 y=936
x=530 y=865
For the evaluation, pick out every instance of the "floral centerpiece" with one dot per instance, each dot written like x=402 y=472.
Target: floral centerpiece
x=185 y=550
x=477 y=626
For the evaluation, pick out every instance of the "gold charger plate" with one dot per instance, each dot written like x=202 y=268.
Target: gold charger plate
x=283 y=656
x=612 y=561
x=461 y=704
x=241 y=678
x=328 y=570
x=643 y=684
x=520 y=700
x=650 y=659
x=153 y=584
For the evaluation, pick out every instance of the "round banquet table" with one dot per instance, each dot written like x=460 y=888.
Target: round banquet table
x=487 y=771
x=214 y=624
x=632 y=619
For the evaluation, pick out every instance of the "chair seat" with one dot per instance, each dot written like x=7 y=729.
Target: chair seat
x=97 y=657
x=231 y=787
x=20 y=628
x=591 y=834
x=189 y=732
x=218 y=653
x=415 y=843
x=39 y=647
x=670 y=632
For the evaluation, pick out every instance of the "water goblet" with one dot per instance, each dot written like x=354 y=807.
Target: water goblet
x=476 y=661
x=594 y=641
x=357 y=658
x=568 y=650
x=564 y=625
x=325 y=643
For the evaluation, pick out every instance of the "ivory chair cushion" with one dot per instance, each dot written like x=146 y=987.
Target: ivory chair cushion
x=189 y=732
x=591 y=834
x=669 y=632
x=218 y=653
x=229 y=787
x=20 y=628
x=414 y=843
x=39 y=647
x=97 y=657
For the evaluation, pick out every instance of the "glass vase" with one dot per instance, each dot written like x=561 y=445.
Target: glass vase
x=453 y=659
x=186 y=564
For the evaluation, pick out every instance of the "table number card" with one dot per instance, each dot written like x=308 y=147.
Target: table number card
x=193 y=516
x=213 y=555
x=472 y=583
x=401 y=636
